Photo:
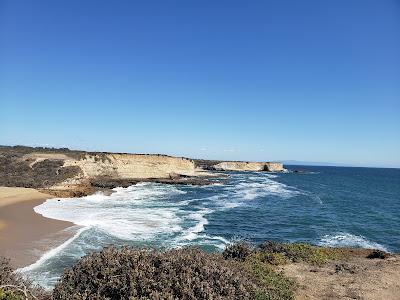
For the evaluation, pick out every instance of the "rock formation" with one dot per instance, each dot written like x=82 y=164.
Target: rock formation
x=132 y=165
x=65 y=172
x=249 y=166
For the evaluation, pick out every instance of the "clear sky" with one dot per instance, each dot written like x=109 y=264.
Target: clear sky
x=247 y=80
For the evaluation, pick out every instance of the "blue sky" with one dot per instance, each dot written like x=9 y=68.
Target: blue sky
x=246 y=80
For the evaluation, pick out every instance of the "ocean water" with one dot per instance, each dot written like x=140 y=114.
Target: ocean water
x=357 y=207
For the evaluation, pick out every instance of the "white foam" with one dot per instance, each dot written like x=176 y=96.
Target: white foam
x=152 y=212
x=207 y=186
x=229 y=205
x=260 y=187
x=218 y=238
x=203 y=239
x=51 y=253
x=129 y=213
x=216 y=241
x=138 y=212
x=344 y=239
x=223 y=200
x=192 y=232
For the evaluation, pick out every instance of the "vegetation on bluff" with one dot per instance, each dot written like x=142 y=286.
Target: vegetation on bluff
x=148 y=274
x=240 y=272
x=14 y=287
x=16 y=171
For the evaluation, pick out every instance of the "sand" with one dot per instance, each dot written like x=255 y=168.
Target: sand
x=24 y=234
x=12 y=195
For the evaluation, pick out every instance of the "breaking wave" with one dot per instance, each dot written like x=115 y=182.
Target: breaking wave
x=129 y=213
x=344 y=239
x=254 y=187
x=51 y=253
x=150 y=214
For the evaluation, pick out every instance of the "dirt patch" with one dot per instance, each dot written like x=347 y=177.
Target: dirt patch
x=354 y=277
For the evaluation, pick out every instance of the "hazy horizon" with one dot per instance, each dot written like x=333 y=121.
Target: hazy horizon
x=305 y=81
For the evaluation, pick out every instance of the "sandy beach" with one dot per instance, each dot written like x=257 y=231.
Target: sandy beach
x=24 y=234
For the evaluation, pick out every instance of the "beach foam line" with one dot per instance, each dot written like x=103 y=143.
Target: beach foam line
x=221 y=242
x=191 y=233
x=202 y=239
x=263 y=187
x=51 y=253
x=137 y=212
x=345 y=239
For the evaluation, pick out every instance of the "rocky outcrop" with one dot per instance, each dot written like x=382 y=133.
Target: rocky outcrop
x=249 y=166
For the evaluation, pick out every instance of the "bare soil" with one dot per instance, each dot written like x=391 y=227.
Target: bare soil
x=354 y=277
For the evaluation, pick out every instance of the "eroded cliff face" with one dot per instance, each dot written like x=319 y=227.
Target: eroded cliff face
x=81 y=173
x=72 y=173
x=139 y=166
x=249 y=166
x=113 y=167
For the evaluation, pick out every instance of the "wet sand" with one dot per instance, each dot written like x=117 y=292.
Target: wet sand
x=24 y=234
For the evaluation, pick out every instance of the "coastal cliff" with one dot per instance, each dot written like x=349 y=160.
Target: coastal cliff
x=109 y=170
x=249 y=166
x=140 y=166
x=70 y=173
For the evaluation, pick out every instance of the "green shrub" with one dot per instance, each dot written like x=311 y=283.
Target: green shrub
x=300 y=252
x=8 y=295
x=272 y=284
x=274 y=259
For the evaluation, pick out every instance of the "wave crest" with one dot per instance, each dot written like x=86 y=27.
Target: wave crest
x=344 y=239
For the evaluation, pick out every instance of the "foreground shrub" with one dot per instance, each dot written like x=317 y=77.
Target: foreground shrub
x=15 y=287
x=6 y=272
x=127 y=273
x=238 y=251
x=272 y=285
x=274 y=259
x=9 y=295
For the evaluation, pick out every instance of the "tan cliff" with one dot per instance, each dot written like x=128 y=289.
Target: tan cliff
x=249 y=166
x=132 y=165
x=65 y=172
x=114 y=169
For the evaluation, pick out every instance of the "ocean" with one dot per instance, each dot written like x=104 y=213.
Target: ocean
x=329 y=206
